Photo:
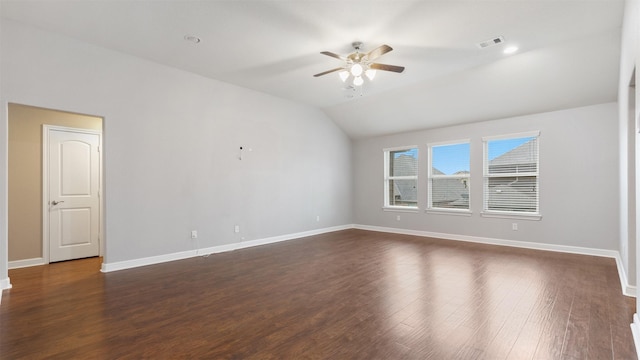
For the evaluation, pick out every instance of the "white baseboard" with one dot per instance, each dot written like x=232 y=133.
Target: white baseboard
x=26 y=263
x=128 y=264
x=492 y=241
x=635 y=330
x=151 y=260
x=5 y=284
x=627 y=289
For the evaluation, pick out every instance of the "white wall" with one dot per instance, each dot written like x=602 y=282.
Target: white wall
x=172 y=144
x=628 y=141
x=578 y=180
x=4 y=202
x=629 y=116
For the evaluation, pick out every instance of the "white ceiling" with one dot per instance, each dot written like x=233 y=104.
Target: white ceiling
x=569 y=51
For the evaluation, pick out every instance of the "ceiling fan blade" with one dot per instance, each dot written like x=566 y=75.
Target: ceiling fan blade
x=386 y=67
x=379 y=51
x=329 y=53
x=328 y=71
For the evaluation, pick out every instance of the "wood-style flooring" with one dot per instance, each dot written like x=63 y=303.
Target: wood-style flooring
x=345 y=295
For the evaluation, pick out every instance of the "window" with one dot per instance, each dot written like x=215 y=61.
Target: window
x=401 y=177
x=449 y=176
x=511 y=174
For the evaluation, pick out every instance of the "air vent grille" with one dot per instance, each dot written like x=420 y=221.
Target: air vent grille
x=491 y=42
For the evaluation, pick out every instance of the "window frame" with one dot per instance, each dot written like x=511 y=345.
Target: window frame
x=387 y=178
x=431 y=177
x=512 y=214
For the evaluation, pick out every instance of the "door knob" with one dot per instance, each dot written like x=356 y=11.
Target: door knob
x=54 y=203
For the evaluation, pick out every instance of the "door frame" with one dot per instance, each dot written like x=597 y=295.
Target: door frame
x=46 y=129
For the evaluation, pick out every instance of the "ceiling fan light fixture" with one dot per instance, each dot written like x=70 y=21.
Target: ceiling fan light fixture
x=370 y=73
x=356 y=70
x=358 y=65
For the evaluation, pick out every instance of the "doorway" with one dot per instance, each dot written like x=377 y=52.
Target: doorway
x=26 y=232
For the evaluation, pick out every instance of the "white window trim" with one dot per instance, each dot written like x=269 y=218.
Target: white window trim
x=535 y=133
x=400 y=148
x=437 y=210
x=510 y=214
x=449 y=142
x=406 y=209
x=386 y=177
x=445 y=211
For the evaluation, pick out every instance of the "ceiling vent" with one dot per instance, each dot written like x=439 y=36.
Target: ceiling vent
x=495 y=41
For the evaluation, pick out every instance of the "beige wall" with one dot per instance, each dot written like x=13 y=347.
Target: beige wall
x=25 y=173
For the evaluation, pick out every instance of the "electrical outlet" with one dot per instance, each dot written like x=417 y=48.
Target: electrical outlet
x=318 y=218
x=398 y=217
x=194 y=234
x=236 y=229
x=514 y=226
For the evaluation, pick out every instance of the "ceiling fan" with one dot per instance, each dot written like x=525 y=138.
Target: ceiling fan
x=357 y=63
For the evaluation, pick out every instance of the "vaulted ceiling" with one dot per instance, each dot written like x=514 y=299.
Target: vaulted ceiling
x=568 y=54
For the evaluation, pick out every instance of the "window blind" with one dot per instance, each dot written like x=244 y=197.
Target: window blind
x=511 y=174
x=449 y=176
x=401 y=177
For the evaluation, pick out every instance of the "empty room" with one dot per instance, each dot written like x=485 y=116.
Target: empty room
x=319 y=179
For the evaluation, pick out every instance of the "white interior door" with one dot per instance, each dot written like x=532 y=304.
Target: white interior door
x=72 y=184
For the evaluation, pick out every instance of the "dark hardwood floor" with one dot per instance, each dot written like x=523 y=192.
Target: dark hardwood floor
x=345 y=295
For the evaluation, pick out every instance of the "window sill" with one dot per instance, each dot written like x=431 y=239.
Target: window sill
x=449 y=212
x=401 y=209
x=505 y=215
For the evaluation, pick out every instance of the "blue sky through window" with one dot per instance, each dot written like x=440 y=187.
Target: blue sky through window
x=411 y=152
x=499 y=147
x=451 y=159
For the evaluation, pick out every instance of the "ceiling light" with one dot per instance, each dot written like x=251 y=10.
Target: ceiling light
x=356 y=70
x=343 y=75
x=356 y=64
x=510 y=50
x=371 y=73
